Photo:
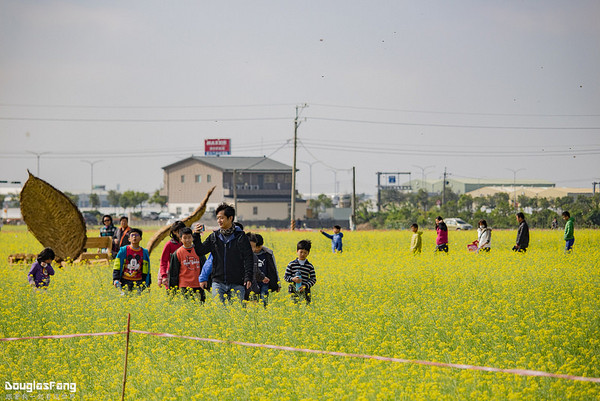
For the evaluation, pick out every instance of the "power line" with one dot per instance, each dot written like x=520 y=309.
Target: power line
x=321 y=161
x=74 y=106
x=452 y=112
x=142 y=120
x=345 y=148
x=386 y=145
x=232 y=106
x=449 y=125
x=141 y=152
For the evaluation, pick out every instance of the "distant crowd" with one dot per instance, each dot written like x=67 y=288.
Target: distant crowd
x=484 y=235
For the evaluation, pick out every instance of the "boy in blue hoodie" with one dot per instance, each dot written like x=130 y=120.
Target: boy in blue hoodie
x=336 y=238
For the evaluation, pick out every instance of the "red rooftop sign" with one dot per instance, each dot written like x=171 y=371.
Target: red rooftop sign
x=216 y=147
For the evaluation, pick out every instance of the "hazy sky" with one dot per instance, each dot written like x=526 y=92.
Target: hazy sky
x=479 y=87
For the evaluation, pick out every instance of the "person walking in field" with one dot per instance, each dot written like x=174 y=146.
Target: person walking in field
x=121 y=236
x=441 y=241
x=569 y=236
x=522 y=234
x=185 y=267
x=232 y=258
x=41 y=269
x=415 y=241
x=132 y=264
x=484 y=237
x=265 y=270
x=336 y=238
x=301 y=274
x=108 y=229
x=170 y=247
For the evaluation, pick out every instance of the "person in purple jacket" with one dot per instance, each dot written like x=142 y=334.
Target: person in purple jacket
x=41 y=270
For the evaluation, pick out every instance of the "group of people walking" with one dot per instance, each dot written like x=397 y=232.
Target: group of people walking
x=484 y=235
x=239 y=264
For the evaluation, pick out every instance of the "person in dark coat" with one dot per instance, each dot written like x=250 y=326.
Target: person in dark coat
x=522 y=234
x=232 y=260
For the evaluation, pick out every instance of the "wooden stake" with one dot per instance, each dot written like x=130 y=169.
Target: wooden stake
x=126 y=354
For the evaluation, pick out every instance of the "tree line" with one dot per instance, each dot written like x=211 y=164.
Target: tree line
x=127 y=200
x=399 y=210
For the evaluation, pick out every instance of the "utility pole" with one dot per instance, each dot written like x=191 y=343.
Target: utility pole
x=423 y=175
x=515 y=184
x=444 y=188
x=38 y=155
x=234 y=180
x=378 y=192
x=91 y=163
x=310 y=174
x=293 y=202
x=353 y=201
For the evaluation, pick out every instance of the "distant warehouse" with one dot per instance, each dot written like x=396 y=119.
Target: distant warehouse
x=466 y=185
x=262 y=188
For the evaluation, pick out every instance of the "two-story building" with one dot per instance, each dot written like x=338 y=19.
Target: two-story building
x=262 y=187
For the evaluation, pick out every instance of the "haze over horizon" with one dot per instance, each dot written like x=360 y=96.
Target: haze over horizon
x=483 y=89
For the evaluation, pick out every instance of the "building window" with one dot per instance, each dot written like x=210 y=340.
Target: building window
x=178 y=211
x=255 y=210
x=190 y=209
x=198 y=178
x=183 y=178
x=208 y=178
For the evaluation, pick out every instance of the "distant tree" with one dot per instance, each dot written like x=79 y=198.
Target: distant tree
x=74 y=198
x=543 y=203
x=465 y=203
x=126 y=199
x=525 y=201
x=94 y=201
x=393 y=197
x=114 y=198
x=564 y=203
x=159 y=199
x=133 y=199
x=140 y=198
x=322 y=201
x=422 y=199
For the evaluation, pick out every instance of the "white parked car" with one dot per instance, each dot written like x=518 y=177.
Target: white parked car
x=165 y=216
x=457 y=224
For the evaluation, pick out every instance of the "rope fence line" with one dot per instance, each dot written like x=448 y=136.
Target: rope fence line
x=520 y=372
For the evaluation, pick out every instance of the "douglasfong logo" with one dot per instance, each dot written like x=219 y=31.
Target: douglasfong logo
x=40 y=386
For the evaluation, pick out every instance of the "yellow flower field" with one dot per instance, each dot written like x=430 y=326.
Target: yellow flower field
x=536 y=311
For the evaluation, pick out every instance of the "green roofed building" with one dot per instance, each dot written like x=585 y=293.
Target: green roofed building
x=465 y=185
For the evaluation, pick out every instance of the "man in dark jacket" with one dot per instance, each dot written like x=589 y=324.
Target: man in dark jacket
x=233 y=262
x=522 y=234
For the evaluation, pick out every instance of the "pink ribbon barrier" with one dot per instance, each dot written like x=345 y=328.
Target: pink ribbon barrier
x=520 y=372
